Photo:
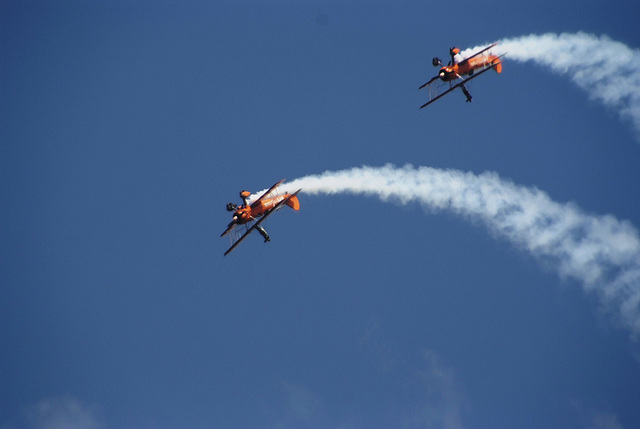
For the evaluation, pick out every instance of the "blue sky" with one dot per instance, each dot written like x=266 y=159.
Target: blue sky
x=127 y=128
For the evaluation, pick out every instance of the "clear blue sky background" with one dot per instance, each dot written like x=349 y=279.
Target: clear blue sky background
x=125 y=129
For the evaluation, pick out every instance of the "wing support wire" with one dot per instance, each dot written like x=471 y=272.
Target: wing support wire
x=268 y=191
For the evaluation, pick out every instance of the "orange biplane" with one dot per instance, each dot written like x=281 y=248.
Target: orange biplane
x=251 y=215
x=457 y=73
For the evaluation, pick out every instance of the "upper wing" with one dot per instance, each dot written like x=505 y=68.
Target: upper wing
x=269 y=191
x=264 y=216
x=481 y=51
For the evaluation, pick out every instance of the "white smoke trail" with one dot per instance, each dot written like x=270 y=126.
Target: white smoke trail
x=608 y=70
x=601 y=252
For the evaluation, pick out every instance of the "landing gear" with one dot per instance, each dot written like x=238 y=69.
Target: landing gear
x=466 y=93
x=264 y=233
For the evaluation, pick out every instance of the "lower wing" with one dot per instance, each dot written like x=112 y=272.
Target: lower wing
x=462 y=82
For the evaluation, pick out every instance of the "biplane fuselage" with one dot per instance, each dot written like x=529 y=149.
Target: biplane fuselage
x=251 y=212
x=468 y=66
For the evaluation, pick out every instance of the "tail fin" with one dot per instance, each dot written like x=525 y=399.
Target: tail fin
x=293 y=202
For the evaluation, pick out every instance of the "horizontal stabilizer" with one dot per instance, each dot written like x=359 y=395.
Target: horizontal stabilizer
x=293 y=202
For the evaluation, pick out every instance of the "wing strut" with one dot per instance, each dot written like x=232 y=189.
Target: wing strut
x=479 y=52
x=268 y=191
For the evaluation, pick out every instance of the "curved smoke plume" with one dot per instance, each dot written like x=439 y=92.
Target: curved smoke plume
x=606 y=69
x=601 y=252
